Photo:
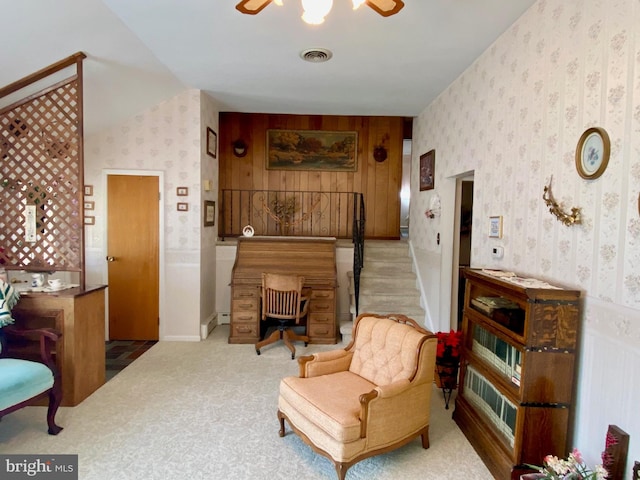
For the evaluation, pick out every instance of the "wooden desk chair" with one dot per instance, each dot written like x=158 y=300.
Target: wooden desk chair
x=282 y=300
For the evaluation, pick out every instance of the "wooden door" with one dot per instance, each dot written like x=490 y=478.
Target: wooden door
x=133 y=204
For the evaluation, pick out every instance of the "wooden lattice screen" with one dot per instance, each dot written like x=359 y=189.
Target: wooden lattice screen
x=41 y=170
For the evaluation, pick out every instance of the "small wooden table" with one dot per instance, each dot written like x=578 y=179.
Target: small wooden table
x=80 y=315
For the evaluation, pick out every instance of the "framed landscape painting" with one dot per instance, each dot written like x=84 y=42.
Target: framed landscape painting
x=312 y=150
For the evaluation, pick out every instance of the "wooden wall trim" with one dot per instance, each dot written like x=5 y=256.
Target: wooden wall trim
x=379 y=182
x=42 y=73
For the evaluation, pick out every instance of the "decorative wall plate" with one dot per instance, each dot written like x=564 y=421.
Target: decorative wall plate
x=592 y=154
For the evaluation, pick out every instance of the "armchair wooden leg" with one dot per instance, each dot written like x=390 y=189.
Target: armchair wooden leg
x=341 y=470
x=425 y=437
x=281 y=418
x=55 y=398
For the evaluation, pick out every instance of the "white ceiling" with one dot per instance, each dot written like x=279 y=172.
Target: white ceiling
x=143 y=51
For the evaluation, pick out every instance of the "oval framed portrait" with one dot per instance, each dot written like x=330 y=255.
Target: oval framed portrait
x=592 y=154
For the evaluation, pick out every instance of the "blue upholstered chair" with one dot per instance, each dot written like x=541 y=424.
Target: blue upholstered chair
x=23 y=382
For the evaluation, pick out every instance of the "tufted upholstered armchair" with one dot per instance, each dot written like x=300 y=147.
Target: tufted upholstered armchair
x=370 y=398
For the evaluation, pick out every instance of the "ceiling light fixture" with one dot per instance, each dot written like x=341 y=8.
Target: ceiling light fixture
x=316 y=10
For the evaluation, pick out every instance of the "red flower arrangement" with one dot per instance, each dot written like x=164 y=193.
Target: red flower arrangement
x=447 y=362
x=448 y=349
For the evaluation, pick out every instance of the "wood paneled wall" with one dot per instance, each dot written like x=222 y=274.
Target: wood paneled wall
x=379 y=182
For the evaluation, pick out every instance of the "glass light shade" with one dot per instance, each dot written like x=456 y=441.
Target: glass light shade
x=357 y=3
x=316 y=10
x=278 y=2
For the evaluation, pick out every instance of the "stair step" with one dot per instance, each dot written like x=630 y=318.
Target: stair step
x=383 y=254
x=377 y=283
x=404 y=289
x=385 y=269
x=396 y=244
x=397 y=296
x=413 y=313
x=387 y=283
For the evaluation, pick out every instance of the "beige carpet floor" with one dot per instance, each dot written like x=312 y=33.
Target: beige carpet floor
x=207 y=410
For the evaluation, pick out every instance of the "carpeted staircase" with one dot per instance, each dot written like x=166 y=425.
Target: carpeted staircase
x=387 y=283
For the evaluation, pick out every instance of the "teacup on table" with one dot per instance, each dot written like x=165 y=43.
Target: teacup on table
x=55 y=283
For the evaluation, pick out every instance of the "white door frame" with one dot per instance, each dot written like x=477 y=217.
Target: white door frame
x=455 y=264
x=161 y=239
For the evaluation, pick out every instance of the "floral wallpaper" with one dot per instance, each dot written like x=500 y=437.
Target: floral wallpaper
x=171 y=138
x=514 y=118
x=166 y=137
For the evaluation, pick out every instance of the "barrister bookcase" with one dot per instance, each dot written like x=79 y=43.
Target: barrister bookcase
x=517 y=372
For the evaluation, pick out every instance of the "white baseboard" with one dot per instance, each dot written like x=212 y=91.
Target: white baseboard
x=181 y=338
x=208 y=325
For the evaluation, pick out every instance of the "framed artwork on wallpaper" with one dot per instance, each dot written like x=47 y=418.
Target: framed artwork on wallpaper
x=212 y=142
x=427 y=170
x=209 y=213
x=495 y=227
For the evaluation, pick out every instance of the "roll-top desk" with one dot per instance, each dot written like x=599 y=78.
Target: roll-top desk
x=313 y=258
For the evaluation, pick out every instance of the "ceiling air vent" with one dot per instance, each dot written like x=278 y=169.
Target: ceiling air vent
x=316 y=55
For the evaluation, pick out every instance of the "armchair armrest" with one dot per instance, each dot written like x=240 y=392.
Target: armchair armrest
x=396 y=388
x=385 y=408
x=324 y=363
x=47 y=337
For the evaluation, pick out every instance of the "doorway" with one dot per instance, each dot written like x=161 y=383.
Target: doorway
x=462 y=245
x=132 y=255
x=405 y=188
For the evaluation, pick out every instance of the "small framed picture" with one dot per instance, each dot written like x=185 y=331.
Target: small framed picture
x=182 y=191
x=209 y=213
x=183 y=207
x=212 y=142
x=88 y=190
x=495 y=227
x=89 y=205
x=89 y=220
x=427 y=170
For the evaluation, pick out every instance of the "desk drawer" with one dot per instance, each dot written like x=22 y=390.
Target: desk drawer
x=321 y=318
x=321 y=306
x=245 y=292
x=238 y=316
x=244 y=333
x=245 y=305
x=321 y=331
x=320 y=294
